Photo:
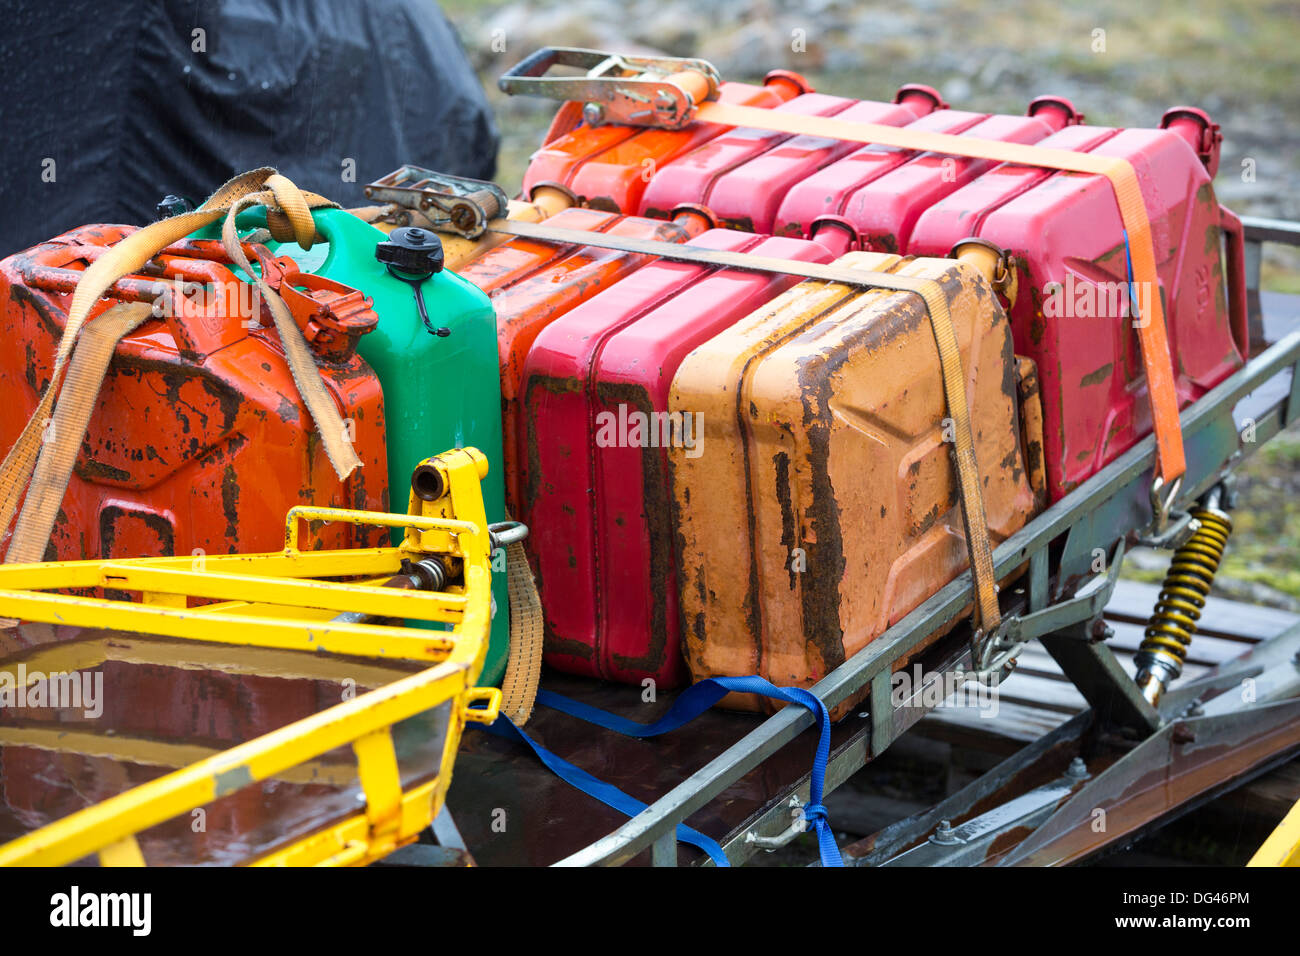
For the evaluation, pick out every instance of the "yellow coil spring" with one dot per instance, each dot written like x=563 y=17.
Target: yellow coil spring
x=1182 y=596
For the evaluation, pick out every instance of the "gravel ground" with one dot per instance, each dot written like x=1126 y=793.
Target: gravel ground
x=1122 y=62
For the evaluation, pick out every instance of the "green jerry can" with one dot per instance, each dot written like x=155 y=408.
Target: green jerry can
x=435 y=352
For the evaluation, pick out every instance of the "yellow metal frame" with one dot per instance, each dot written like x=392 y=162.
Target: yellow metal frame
x=277 y=601
x=1282 y=848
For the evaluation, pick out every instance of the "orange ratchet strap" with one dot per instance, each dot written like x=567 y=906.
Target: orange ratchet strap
x=1156 y=359
x=664 y=91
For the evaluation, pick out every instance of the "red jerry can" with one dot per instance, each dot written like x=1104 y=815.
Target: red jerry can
x=823 y=193
x=532 y=283
x=884 y=210
x=1071 y=315
x=595 y=433
x=744 y=184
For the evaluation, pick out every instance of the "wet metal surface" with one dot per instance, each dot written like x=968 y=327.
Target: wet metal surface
x=150 y=706
x=511 y=810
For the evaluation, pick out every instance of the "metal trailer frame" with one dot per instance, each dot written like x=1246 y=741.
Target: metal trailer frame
x=285 y=601
x=1060 y=605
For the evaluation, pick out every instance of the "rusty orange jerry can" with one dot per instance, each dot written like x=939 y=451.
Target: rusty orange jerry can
x=199 y=442
x=532 y=283
x=824 y=505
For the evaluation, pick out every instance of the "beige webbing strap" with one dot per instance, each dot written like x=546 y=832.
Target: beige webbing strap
x=128 y=255
x=288 y=218
x=988 y=616
x=302 y=365
x=524 y=666
x=65 y=431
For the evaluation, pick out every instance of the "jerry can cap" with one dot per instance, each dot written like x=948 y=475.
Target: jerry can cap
x=171 y=205
x=413 y=250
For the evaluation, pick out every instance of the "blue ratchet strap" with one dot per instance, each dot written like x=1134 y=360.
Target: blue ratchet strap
x=693 y=702
x=606 y=793
x=1132 y=284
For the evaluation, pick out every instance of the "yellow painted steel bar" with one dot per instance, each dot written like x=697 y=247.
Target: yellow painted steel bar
x=391 y=817
x=62 y=657
x=361 y=640
x=327 y=595
x=300 y=513
x=1282 y=848
x=366 y=640
x=351 y=562
x=290 y=563
x=149 y=752
x=349 y=842
x=125 y=852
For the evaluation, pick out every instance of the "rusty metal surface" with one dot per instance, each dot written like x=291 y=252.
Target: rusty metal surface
x=1222 y=729
x=199 y=442
x=594 y=426
x=1190 y=757
x=826 y=415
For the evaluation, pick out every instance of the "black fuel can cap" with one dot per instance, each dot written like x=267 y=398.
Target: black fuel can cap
x=411 y=249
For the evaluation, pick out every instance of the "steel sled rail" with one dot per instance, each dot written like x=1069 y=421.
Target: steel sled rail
x=1102 y=512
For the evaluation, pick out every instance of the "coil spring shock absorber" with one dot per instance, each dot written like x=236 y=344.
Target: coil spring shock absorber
x=1173 y=622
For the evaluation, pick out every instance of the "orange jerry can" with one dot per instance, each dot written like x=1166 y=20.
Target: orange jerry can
x=825 y=506
x=609 y=167
x=199 y=441
x=532 y=283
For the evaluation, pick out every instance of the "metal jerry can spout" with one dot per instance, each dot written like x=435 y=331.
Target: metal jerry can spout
x=413 y=255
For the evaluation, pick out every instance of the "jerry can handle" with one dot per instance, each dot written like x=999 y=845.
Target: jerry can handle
x=1238 y=308
x=346 y=236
